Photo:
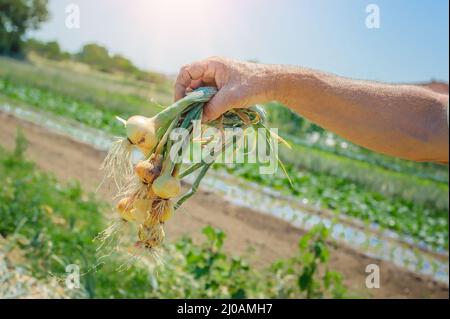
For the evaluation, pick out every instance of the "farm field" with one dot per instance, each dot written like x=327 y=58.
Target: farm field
x=329 y=173
x=409 y=198
x=246 y=230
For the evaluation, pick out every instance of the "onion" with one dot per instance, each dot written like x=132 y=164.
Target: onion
x=162 y=211
x=167 y=213
x=166 y=186
x=125 y=207
x=143 y=131
x=149 y=169
x=142 y=209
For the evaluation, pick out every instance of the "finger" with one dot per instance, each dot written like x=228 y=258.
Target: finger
x=223 y=101
x=195 y=84
x=180 y=91
x=189 y=76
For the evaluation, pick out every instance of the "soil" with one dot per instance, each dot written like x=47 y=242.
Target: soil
x=261 y=239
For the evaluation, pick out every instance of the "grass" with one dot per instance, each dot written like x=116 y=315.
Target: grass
x=53 y=224
x=86 y=86
x=403 y=196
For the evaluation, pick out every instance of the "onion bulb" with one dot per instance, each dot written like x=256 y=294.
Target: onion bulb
x=142 y=209
x=167 y=213
x=149 y=169
x=143 y=131
x=162 y=210
x=166 y=186
x=125 y=207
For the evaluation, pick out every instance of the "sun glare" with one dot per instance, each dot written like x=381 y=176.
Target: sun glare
x=180 y=25
x=172 y=18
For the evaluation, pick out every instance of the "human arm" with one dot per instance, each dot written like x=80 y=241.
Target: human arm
x=405 y=121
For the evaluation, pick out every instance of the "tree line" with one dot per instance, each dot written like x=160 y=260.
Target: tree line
x=19 y=16
x=94 y=55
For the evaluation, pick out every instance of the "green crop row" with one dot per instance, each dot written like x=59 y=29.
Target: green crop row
x=47 y=100
x=422 y=222
x=371 y=177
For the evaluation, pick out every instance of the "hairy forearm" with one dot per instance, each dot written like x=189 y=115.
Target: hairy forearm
x=399 y=120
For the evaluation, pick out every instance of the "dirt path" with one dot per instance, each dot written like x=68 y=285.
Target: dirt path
x=261 y=238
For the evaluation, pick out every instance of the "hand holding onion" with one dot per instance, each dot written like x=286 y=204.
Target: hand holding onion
x=151 y=195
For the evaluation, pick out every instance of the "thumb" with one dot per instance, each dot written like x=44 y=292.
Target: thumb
x=223 y=101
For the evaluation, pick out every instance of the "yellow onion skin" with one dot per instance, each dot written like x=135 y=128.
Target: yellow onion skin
x=162 y=211
x=167 y=213
x=125 y=207
x=141 y=132
x=166 y=186
x=142 y=209
x=149 y=170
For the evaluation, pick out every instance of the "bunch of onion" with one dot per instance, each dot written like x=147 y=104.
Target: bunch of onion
x=145 y=133
x=151 y=195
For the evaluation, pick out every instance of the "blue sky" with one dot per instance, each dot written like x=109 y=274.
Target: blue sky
x=411 y=44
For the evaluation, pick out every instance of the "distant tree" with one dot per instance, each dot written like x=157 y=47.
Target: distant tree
x=53 y=51
x=122 y=64
x=33 y=44
x=95 y=55
x=17 y=17
x=50 y=50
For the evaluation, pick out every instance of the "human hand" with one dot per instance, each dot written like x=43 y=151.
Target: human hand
x=240 y=84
